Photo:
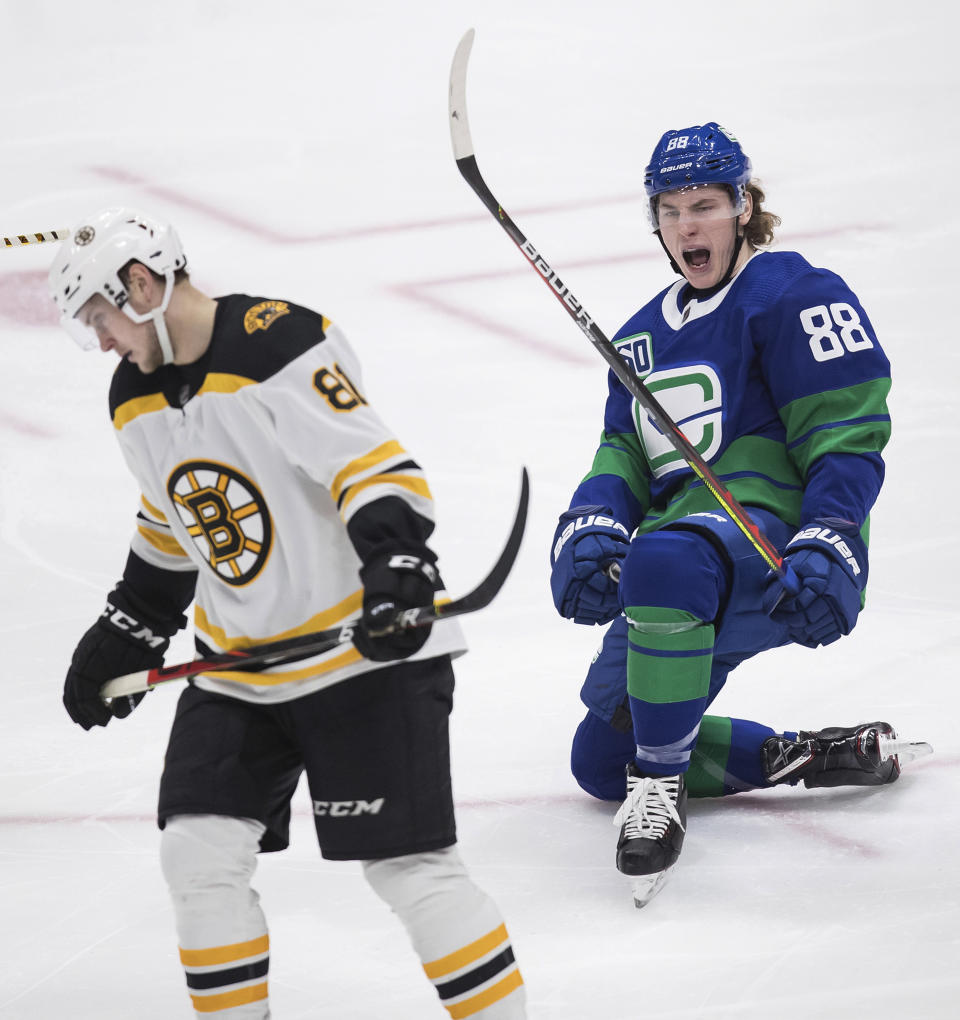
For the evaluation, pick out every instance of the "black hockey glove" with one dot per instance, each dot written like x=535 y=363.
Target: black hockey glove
x=393 y=582
x=125 y=639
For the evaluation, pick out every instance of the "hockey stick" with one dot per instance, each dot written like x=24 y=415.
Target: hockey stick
x=276 y=653
x=467 y=165
x=19 y=240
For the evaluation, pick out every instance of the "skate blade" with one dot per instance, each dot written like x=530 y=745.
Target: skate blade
x=645 y=887
x=906 y=750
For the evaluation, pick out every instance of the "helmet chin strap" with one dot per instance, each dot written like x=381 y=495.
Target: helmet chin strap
x=160 y=324
x=156 y=316
x=673 y=261
x=737 y=245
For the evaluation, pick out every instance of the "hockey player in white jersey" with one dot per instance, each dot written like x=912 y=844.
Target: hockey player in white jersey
x=277 y=501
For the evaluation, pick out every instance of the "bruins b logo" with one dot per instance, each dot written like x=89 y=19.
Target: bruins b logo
x=225 y=515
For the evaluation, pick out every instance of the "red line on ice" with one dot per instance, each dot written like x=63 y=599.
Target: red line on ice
x=421 y=291
x=267 y=233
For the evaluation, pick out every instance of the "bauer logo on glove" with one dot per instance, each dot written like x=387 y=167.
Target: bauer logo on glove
x=818 y=595
x=831 y=538
x=587 y=521
x=588 y=545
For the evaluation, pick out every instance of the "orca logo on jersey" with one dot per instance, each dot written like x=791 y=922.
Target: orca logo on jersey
x=226 y=517
x=263 y=315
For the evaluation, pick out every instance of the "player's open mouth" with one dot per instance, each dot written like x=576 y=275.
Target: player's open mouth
x=696 y=257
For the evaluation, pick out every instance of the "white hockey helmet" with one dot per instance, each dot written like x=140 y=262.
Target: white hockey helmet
x=90 y=262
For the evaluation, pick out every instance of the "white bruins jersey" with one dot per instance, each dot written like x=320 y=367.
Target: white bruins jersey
x=251 y=464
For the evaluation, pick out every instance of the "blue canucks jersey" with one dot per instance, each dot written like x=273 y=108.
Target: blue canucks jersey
x=779 y=382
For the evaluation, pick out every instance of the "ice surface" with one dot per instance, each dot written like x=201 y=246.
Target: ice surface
x=302 y=151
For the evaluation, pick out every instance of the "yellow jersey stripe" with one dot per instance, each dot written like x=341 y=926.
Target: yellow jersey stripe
x=227 y=1000
x=418 y=486
x=224 y=382
x=131 y=409
x=152 y=510
x=493 y=994
x=347 y=658
x=350 y=606
x=224 y=954
x=215 y=382
x=469 y=954
x=165 y=543
x=364 y=463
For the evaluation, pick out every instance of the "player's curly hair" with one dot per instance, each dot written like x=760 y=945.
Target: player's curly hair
x=758 y=232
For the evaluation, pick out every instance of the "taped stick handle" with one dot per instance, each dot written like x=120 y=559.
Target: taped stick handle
x=41 y=237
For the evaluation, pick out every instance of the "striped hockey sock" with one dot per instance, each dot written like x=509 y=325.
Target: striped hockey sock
x=669 y=655
x=457 y=931
x=208 y=861
x=229 y=981
x=476 y=979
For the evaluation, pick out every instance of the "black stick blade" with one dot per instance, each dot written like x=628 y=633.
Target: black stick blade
x=490 y=586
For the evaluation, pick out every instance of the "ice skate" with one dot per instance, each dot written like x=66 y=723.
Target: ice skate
x=870 y=754
x=652 y=823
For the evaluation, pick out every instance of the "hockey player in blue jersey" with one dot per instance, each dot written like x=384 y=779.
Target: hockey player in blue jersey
x=773 y=371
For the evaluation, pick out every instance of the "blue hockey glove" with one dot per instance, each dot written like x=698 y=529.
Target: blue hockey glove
x=586 y=544
x=825 y=568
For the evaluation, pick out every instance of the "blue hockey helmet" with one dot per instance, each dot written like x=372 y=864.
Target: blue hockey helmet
x=693 y=157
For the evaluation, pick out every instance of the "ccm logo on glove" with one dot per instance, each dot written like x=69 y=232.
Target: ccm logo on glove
x=403 y=561
x=129 y=625
x=395 y=587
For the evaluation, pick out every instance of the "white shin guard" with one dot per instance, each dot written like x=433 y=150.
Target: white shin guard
x=208 y=862
x=457 y=931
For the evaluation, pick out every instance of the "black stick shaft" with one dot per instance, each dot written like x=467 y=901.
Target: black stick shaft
x=277 y=653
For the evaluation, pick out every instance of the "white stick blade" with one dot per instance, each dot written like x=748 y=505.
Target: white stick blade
x=459 y=125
